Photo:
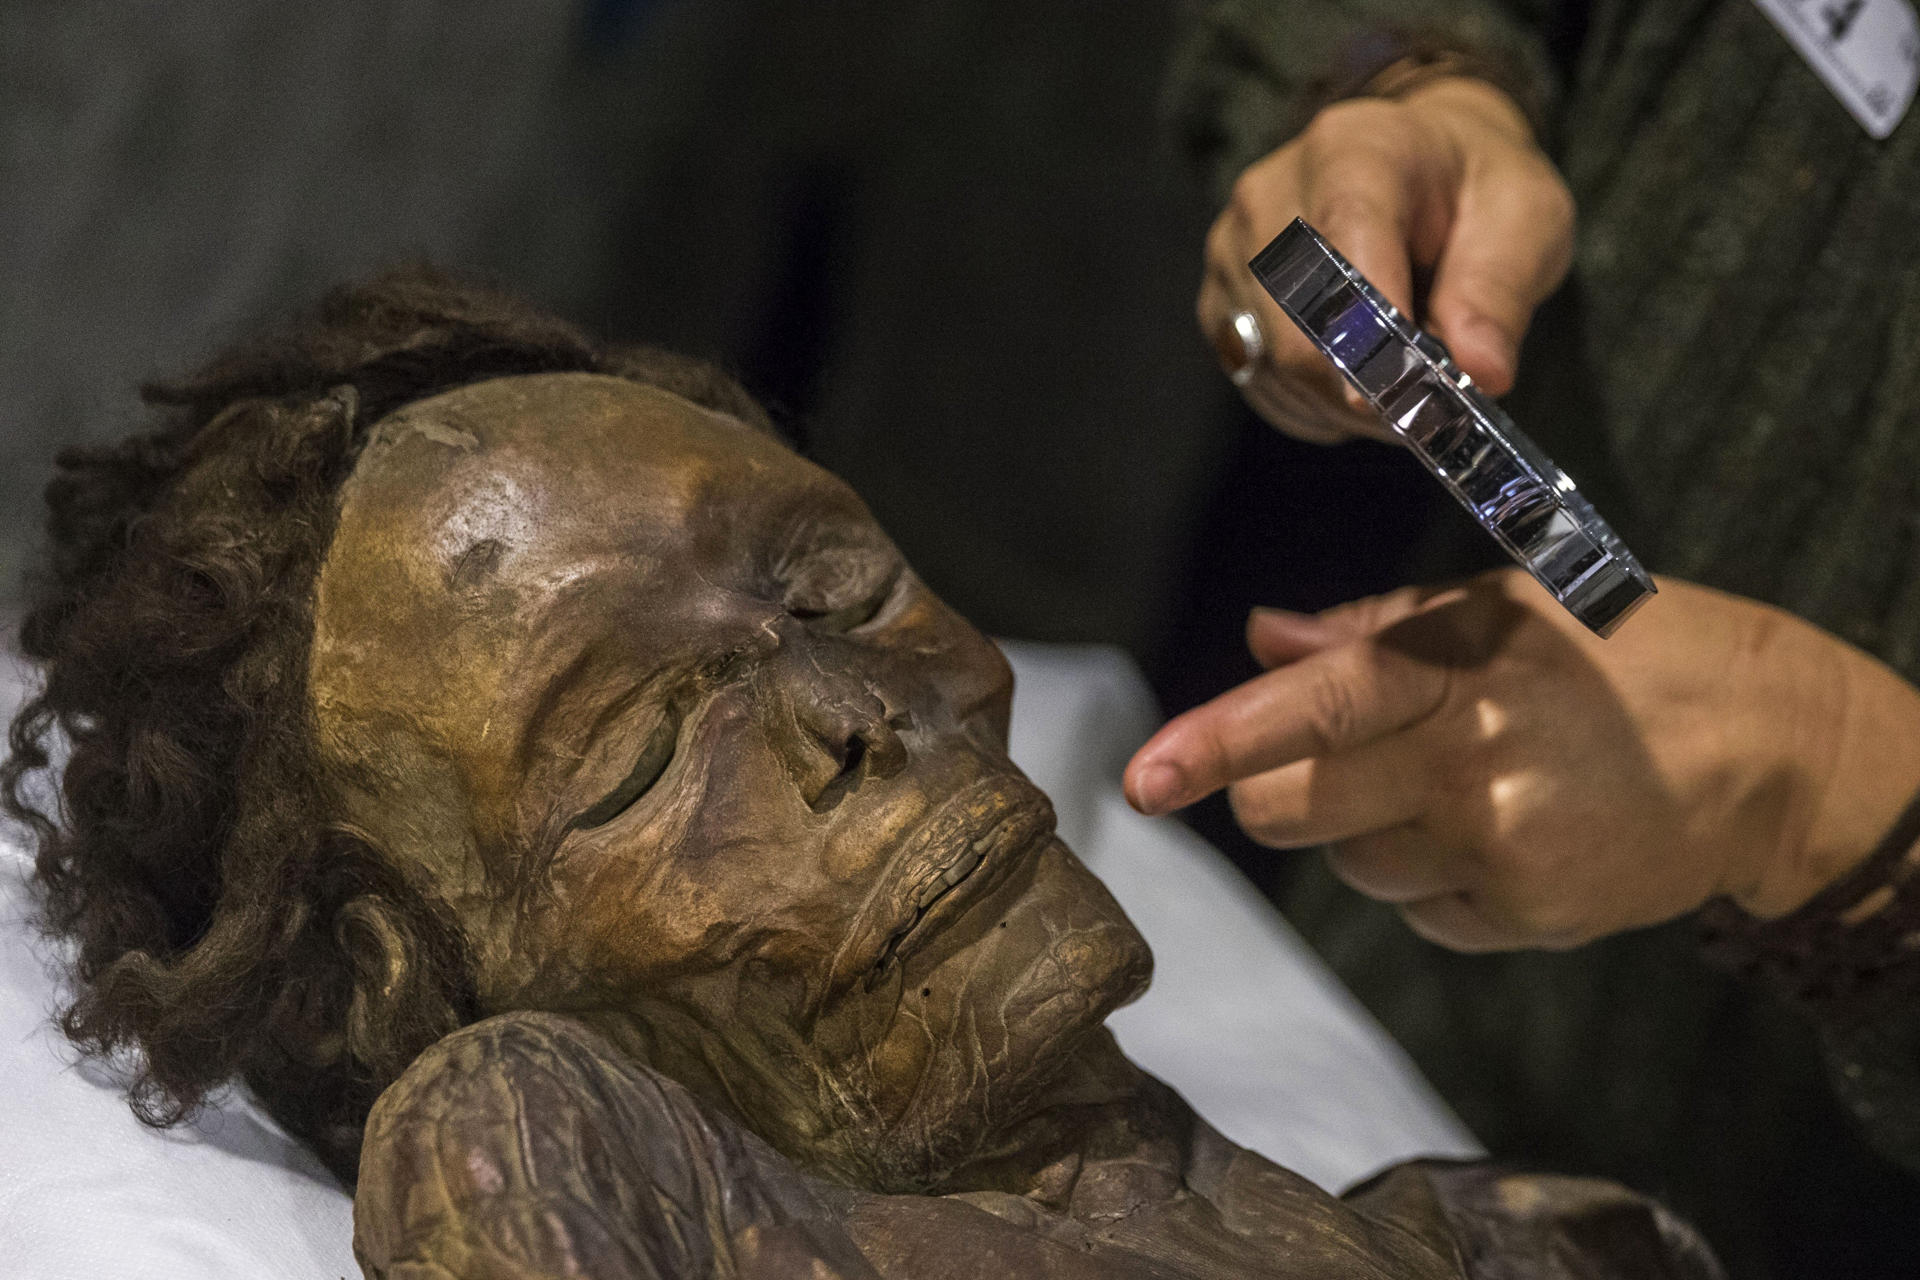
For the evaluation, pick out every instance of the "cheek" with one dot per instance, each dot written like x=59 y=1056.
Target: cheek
x=618 y=920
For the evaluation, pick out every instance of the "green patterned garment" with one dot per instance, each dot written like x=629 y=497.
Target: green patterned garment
x=1733 y=369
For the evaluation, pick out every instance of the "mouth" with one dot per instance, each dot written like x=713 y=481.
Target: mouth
x=967 y=850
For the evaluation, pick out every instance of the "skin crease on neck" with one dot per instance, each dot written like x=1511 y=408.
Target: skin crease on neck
x=657 y=710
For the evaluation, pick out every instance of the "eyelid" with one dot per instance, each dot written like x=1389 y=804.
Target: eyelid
x=658 y=753
x=858 y=614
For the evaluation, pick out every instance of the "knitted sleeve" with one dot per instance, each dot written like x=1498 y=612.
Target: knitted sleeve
x=1850 y=960
x=1249 y=74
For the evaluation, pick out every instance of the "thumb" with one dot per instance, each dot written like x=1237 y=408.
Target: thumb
x=1510 y=246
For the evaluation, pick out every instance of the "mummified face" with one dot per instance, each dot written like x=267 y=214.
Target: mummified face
x=657 y=709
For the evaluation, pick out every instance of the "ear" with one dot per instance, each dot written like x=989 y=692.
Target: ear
x=405 y=983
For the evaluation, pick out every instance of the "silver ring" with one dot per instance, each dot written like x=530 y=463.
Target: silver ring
x=1253 y=345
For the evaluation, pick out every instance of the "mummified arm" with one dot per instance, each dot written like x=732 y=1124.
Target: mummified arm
x=526 y=1148
x=1501 y=1225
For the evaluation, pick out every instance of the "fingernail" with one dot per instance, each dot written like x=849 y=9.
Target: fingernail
x=1356 y=401
x=1496 y=356
x=1157 y=788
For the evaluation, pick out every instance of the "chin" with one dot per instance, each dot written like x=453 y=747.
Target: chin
x=993 y=1015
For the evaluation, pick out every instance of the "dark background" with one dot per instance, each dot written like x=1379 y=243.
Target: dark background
x=947 y=240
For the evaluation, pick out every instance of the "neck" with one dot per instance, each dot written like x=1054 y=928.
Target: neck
x=1103 y=1139
x=1099 y=1137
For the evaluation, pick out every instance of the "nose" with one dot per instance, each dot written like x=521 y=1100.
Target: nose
x=846 y=735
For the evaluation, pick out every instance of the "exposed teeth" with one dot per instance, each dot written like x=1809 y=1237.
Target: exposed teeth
x=962 y=869
x=952 y=876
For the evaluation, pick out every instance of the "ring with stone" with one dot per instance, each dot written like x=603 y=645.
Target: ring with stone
x=1241 y=346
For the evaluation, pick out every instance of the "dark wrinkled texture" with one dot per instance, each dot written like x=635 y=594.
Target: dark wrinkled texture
x=526 y=1147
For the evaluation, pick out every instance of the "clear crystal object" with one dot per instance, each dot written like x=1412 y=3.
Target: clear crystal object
x=1510 y=485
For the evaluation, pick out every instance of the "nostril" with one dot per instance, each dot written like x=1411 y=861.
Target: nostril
x=853 y=754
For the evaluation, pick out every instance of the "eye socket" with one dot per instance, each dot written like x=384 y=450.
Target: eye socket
x=647 y=770
x=847 y=617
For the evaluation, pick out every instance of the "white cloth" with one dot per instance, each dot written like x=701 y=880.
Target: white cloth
x=1241 y=1019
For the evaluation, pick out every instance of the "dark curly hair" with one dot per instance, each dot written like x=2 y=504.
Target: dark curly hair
x=225 y=922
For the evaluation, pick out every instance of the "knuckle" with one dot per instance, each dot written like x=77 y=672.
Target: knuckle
x=1346 y=206
x=1557 y=206
x=1253 y=812
x=1552 y=215
x=1545 y=192
x=1256 y=192
x=1337 y=122
x=1332 y=710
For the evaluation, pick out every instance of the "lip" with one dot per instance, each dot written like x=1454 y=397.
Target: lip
x=959 y=855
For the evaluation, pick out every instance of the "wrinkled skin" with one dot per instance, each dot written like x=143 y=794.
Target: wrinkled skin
x=537 y=583
x=788 y=965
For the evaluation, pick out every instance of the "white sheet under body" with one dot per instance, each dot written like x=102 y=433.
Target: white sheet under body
x=1242 y=1019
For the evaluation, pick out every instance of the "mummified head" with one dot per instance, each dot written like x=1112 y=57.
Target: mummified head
x=432 y=661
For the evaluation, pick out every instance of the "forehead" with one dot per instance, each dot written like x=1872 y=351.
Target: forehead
x=480 y=527
x=527 y=460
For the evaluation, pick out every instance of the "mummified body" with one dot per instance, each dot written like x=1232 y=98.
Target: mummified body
x=543 y=760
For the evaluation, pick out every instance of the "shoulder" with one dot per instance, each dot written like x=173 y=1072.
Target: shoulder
x=528 y=1145
x=506 y=1066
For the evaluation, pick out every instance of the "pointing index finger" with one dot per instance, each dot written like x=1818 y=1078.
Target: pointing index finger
x=1329 y=702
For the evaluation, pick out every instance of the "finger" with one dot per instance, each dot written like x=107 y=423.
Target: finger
x=1295 y=387
x=1453 y=920
x=1303 y=412
x=1377 y=787
x=1276 y=637
x=1297 y=363
x=1400 y=865
x=1331 y=702
x=1214 y=309
x=1291 y=385
x=1279 y=636
x=1510 y=246
x=1361 y=201
x=1300 y=402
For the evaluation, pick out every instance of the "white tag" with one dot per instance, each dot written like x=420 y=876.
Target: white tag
x=1868 y=52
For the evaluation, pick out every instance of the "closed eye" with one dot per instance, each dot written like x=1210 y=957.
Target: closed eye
x=851 y=616
x=647 y=770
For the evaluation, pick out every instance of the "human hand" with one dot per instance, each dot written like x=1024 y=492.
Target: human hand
x=1446 y=179
x=1507 y=779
